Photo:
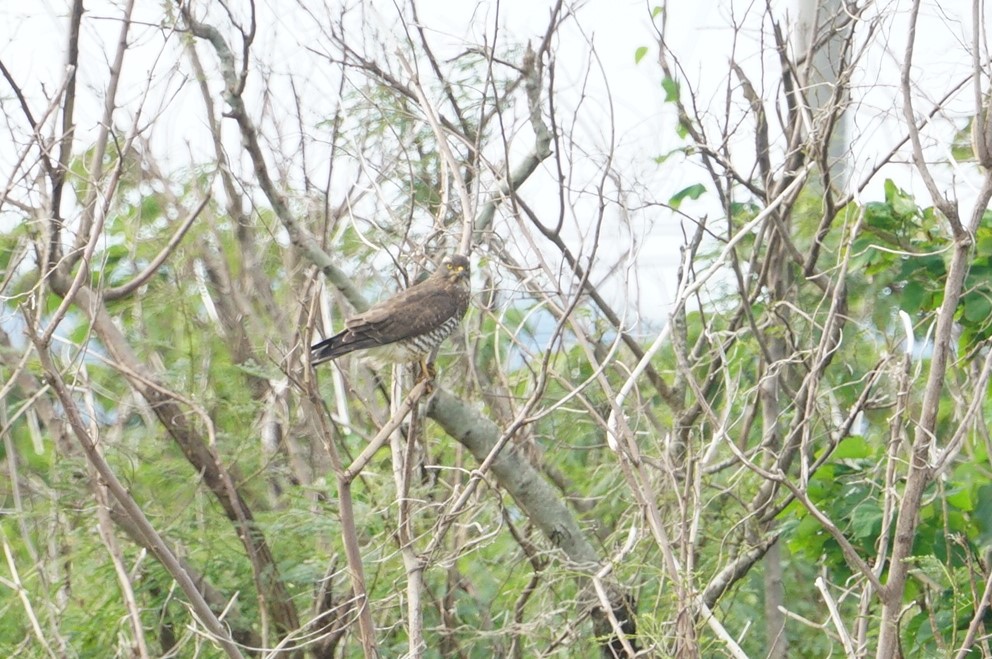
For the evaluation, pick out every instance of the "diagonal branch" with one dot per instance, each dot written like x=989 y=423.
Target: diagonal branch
x=300 y=237
x=201 y=456
x=155 y=542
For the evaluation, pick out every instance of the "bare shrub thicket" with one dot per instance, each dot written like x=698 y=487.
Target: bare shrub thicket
x=789 y=459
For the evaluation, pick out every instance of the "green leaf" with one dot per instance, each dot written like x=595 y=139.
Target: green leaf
x=822 y=485
x=961 y=499
x=961 y=147
x=665 y=156
x=902 y=202
x=866 y=520
x=890 y=190
x=977 y=309
x=639 y=54
x=912 y=297
x=691 y=192
x=983 y=514
x=983 y=242
x=852 y=448
x=671 y=90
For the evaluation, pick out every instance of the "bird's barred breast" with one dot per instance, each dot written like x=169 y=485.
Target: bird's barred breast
x=411 y=349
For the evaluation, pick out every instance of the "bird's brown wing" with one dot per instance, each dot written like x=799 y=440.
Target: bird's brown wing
x=412 y=312
x=415 y=311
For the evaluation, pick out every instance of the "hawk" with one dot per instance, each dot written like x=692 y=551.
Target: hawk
x=408 y=326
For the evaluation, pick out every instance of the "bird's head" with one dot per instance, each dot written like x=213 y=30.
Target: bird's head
x=455 y=268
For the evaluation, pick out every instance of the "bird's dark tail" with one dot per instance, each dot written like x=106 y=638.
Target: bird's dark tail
x=327 y=350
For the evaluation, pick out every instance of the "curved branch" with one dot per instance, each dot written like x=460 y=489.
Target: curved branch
x=124 y=290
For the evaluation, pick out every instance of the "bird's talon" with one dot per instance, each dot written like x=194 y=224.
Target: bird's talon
x=426 y=372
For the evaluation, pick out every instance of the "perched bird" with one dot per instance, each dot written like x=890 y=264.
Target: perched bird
x=408 y=326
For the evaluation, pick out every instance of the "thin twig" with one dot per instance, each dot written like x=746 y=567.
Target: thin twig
x=402 y=455
x=845 y=637
x=399 y=415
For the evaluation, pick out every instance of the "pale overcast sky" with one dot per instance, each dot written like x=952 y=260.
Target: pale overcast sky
x=32 y=38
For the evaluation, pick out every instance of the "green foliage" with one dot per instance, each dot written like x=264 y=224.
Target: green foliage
x=898 y=262
x=494 y=574
x=671 y=88
x=962 y=149
x=903 y=252
x=691 y=192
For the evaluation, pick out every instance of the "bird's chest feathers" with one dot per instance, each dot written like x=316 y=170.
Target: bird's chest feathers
x=413 y=348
